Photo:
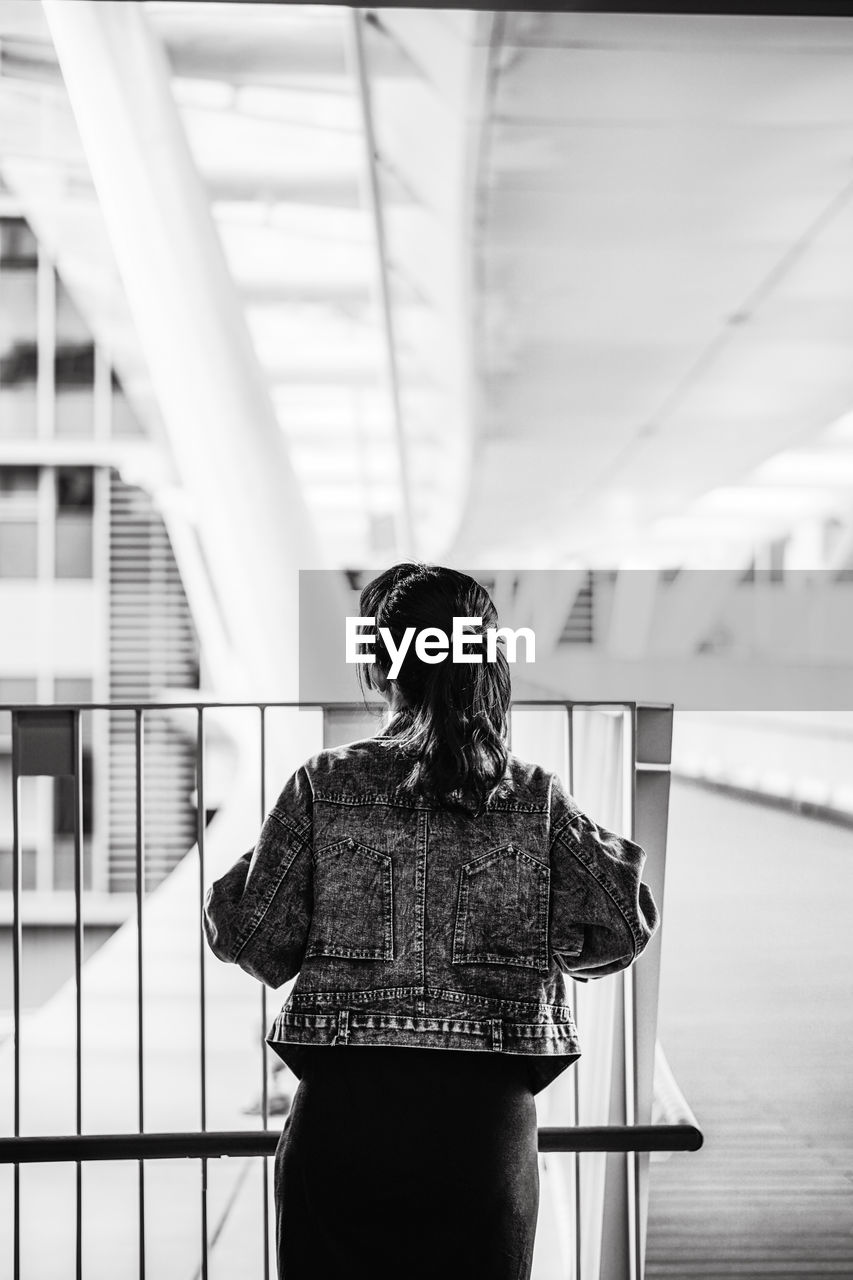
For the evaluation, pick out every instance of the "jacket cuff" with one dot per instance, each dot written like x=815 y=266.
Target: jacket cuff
x=218 y=912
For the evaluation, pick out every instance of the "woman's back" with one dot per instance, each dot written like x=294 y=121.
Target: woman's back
x=412 y=923
x=425 y=889
x=429 y=891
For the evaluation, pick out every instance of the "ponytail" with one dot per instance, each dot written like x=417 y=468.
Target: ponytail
x=453 y=724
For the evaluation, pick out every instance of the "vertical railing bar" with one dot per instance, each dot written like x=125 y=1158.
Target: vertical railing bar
x=78 y=971
x=139 y=744
x=635 y=1156
x=576 y=1160
x=630 y=1033
x=631 y=1157
x=200 y=825
x=576 y=1094
x=571 y=778
x=264 y=1071
x=17 y=938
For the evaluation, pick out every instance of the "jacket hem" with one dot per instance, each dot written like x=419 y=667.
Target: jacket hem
x=550 y=1049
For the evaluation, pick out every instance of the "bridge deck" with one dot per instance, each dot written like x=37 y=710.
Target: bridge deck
x=757 y=1023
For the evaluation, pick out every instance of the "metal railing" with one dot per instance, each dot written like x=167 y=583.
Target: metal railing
x=216 y=1144
x=46 y=741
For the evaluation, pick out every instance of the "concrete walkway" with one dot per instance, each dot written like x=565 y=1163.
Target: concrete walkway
x=756 y=1020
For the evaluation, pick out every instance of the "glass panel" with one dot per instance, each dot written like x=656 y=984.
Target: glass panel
x=74 y=689
x=74 y=369
x=74 y=545
x=18 y=328
x=28 y=820
x=124 y=420
x=18 y=549
x=75 y=411
x=75 y=489
x=28 y=868
x=71 y=329
x=14 y=689
x=18 y=689
x=75 y=498
x=18 y=488
x=17 y=407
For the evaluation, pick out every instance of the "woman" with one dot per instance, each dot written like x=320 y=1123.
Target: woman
x=429 y=889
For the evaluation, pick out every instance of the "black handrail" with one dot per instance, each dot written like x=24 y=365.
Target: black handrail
x=259 y=1142
x=624 y=1137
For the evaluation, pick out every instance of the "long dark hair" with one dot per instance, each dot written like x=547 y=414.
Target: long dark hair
x=454 y=721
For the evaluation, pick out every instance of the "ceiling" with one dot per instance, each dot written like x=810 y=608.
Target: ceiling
x=664 y=255
x=536 y=289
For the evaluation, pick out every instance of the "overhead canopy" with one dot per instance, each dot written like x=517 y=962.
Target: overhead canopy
x=523 y=288
x=666 y=299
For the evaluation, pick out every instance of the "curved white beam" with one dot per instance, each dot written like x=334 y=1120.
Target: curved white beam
x=374 y=200
x=227 y=444
x=427 y=126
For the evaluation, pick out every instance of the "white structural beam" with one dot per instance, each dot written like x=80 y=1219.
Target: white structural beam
x=428 y=127
x=374 y=201
x=227 y=444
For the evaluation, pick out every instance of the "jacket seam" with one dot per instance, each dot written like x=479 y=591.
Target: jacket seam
x=298 y=829
x=361 y=799
x=342 y=995
x=607 y=890
x=266 y=902
x=565 y=823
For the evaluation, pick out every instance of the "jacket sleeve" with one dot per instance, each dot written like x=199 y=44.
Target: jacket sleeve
x=602 y=914
x=258 y=914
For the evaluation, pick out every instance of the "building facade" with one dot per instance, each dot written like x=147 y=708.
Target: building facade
x=92 y=609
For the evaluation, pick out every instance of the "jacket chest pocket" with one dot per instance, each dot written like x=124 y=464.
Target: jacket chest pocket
x=502 y=910
x=353 y=903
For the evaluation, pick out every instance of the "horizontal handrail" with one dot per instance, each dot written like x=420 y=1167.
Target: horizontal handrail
x=262 y=1142
x=265 y=703
x=622 y=1137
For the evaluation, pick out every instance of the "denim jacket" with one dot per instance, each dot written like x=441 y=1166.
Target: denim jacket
x=409 y=923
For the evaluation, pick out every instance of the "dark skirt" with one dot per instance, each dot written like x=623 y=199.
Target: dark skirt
x=408 y=1164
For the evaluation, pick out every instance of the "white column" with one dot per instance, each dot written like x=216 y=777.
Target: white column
x=227 y=444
